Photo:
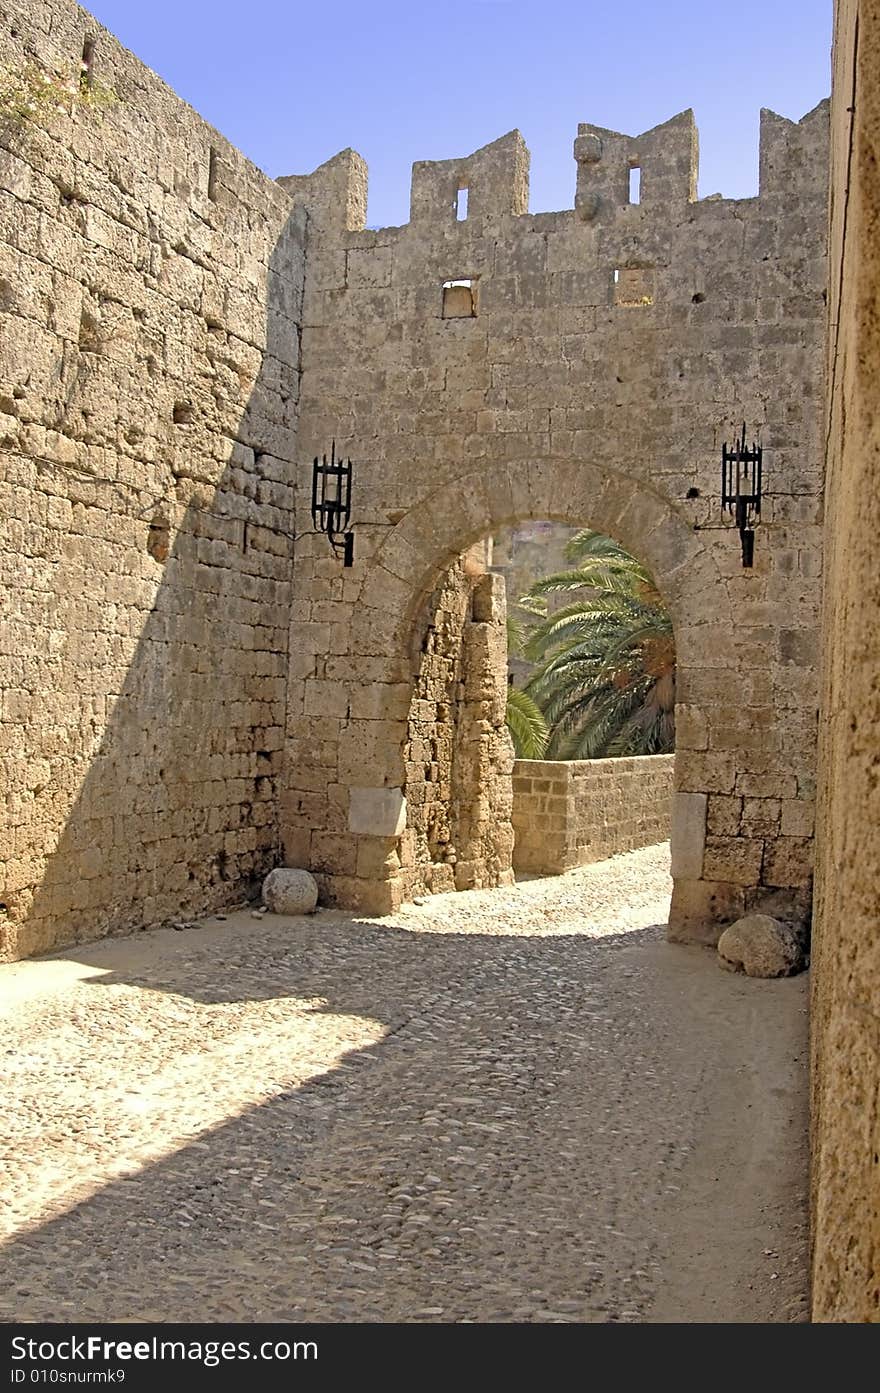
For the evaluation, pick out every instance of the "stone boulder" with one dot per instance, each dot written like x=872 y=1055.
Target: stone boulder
x=760 y=947
x=287 y=891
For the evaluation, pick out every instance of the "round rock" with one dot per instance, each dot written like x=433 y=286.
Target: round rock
x=760 y=946
x=287 y=891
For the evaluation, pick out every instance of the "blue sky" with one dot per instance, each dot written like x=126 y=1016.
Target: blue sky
x=291 y=83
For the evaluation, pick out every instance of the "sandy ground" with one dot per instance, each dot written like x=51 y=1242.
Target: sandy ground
x=512 y=1105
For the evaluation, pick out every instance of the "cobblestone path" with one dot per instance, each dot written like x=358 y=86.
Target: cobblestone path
x=511 y=1105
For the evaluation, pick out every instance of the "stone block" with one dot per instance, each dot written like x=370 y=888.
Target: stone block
x=708 y=772
x=789 y=861
x=760 y=817
x=333 y=854
x=700 y=909
x=377 y=812
x=797 y=818
x=736 y=859
x=377 y=857
x=365 y=896
x=688 y=834
x=380 y=701
x=691 y=728
x=489 y=600
x=724 y=815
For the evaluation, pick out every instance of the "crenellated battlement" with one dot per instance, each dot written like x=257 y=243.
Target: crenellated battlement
x=656 y=170
x=335 y=193
x=794 y=154
x=664 y=159
x=495 y=178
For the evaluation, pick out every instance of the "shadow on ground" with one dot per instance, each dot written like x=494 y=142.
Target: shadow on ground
x=522 y=1141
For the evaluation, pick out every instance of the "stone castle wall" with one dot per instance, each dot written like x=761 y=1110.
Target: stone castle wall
x=150 y=297
x=587 y=374
x=567 y=813
x=528 y=552
x=159 y=660
x=580 y=367
x=845 y=1024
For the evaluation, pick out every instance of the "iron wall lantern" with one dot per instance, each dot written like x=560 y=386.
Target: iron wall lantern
x=331 y=502
x=741 y=490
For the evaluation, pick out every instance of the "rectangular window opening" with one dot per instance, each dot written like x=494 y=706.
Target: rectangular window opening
x=635 y=184
x=633 y=286
x=213 y=162
x=87 y=64
x=461 y=205
x=460 y=298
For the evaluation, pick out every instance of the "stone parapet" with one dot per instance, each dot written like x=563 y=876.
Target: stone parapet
x=567 y=813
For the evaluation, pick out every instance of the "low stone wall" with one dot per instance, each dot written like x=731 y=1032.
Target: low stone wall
x=569 y=812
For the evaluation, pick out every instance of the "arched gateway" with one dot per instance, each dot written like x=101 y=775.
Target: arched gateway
x=585 y=367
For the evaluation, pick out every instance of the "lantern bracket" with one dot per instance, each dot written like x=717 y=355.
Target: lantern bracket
x=741 y=487
x=331 y=502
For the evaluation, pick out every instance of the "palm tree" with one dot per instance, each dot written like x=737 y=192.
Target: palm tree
x=605 y=663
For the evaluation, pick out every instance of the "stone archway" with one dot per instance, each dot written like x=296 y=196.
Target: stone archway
x=551 y=360
x=367 y=816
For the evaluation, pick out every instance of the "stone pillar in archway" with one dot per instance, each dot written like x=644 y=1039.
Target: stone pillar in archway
x=349 y=692
x=458 y=755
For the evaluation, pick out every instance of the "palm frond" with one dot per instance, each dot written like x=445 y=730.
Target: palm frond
x=532 y=604
x=515 y=636
x=527 y=725
x=589 y=543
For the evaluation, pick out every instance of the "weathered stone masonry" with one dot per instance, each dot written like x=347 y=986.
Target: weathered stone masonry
x=458 y=756
x=156 y=666
x=845 y=1024
x=164 y=666
x=567 y=813
x=150 y=289
x=587 y=374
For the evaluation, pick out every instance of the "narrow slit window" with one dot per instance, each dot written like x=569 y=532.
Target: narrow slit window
x=635 y=184
x=460 y=299
x=213 y=162
x=461 y=205
x=87 y=64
